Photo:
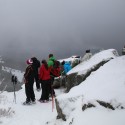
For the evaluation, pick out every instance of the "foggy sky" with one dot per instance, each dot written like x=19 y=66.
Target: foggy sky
x=62 y=27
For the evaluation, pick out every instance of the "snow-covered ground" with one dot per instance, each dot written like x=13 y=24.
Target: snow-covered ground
x=36 y=114
x=41 y=114
x=106 y=84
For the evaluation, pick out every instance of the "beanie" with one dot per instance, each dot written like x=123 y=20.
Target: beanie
x=29 y=61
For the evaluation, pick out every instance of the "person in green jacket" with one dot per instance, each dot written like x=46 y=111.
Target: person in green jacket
x=51 y=60
x=50 y=65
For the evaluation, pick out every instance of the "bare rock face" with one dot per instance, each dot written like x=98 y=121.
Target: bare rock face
x=60 y=112
x=67 y=103
x=85 y=105
x=75 y=79
x=6 y=83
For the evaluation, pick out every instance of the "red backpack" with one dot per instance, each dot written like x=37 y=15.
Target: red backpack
x=56 y=69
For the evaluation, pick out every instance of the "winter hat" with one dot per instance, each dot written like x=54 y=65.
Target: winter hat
x=50 y=55
x=29 y=61
x=88 y=51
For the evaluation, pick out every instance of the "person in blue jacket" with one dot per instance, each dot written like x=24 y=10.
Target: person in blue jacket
x=66 y=66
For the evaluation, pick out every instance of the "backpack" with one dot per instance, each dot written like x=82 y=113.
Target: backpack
x=56 y=69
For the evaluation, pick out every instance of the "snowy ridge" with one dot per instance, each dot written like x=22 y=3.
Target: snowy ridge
x=109 y=88
x=95 y=59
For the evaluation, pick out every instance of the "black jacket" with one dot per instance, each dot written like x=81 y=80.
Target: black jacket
x=29 y=74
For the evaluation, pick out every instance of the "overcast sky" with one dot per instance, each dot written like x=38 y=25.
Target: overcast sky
x=62 y=27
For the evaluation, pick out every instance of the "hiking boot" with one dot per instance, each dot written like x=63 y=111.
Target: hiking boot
x=42 y=101
x=34 y=102
x=26 y=103
x=49 y=100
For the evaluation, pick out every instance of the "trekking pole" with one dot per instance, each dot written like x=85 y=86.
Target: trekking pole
x=14 y=80
x=14 y=93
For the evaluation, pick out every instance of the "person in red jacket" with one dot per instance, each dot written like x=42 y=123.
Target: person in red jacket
x=44 y=76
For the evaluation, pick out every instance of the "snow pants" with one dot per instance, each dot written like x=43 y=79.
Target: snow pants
x=30 y=96
x=45 y=89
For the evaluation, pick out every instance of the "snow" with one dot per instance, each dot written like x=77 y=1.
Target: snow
x=15 y=72
x=106 y=84
x=37 y=114
x=95 y=59
x=71 y=59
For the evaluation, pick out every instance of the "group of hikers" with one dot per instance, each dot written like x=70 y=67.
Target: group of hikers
x=43 y=73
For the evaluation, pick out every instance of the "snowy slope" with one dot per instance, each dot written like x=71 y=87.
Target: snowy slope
x=107 y=83
x=95 y=59
x=37 y=114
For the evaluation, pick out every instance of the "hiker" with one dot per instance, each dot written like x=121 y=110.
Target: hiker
x=29 y=80
x=123 y=50
x=44 y=76
x=36 y=65
x=87 y=56
x=66 y=66
x=50 y=65
x=51 y=60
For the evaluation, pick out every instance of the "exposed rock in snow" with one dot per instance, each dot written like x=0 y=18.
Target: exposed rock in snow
x=96 y=91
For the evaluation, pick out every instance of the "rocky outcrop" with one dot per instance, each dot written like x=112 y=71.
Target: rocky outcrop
x=60 y=112
x=75 y=79
x=69 y=103
x=6 y=84
x=90 y=104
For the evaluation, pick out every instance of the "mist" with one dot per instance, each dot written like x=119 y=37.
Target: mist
x=62 y=27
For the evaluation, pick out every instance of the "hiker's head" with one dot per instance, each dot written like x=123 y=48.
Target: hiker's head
x=34 y=59
x=50 y=55
x=63 y=62
x=45 y=63
x=88 y=51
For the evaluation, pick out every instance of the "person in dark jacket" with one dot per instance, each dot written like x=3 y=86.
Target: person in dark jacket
x=29 y=80
x=44 y=76
x=87 y=56
x=36 y=65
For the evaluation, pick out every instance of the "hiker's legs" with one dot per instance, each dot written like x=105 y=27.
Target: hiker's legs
x=43 y=94
x=47 y=83
x=27 y=91
x=32 y=95
x=37 y=81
